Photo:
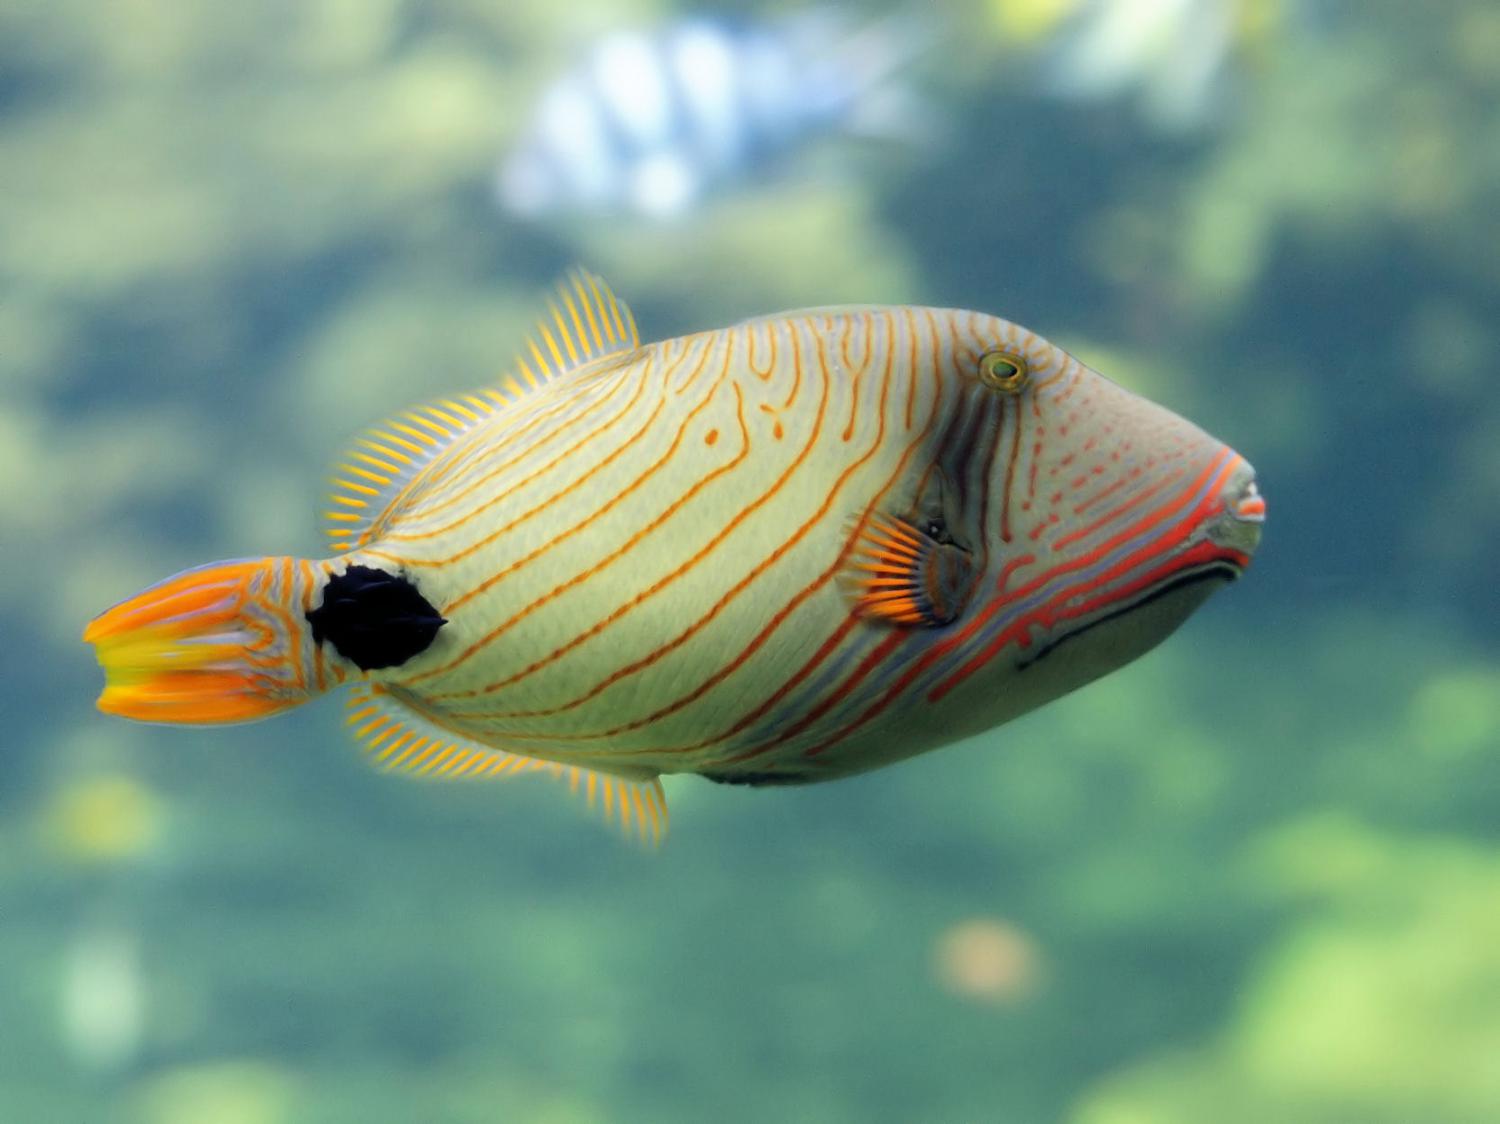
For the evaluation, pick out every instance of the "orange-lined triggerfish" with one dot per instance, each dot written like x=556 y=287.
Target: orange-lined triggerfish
x=786 y=551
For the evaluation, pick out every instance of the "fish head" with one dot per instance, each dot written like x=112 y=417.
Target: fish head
x=1097 y=520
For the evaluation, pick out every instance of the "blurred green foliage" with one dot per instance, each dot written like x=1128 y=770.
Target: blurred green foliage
x=1252 y=878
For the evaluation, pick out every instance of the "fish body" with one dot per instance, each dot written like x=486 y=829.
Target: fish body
x=648 y=121
x=787 y=551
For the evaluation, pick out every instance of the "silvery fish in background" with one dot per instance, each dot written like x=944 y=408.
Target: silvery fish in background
x=787 y=551
x=648 y=122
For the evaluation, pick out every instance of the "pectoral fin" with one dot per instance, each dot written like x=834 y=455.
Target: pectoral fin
x=399 y=740
x=900 y=574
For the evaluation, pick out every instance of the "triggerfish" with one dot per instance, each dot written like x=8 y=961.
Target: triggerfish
x=786 y=551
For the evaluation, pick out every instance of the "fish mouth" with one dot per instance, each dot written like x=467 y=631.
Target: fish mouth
x=1218 y=571
x=1250 y=506
x=1237 y=529
x=1213 y=553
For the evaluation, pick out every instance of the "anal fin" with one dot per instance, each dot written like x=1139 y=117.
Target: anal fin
x=398 y=740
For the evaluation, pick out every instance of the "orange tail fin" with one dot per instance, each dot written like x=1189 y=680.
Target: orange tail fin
x=226 y=642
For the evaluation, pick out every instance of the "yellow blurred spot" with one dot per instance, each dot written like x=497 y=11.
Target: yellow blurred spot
x=1476 y=44
x=224 y=1093
x=1457 y=712
x=1384 y=1003
x=1257 y=22
x=1327 y=852
x=1029 y=21
x=988 y=961
x=104 y=818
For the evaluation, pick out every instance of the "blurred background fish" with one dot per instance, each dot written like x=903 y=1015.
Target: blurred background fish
x=648 y=121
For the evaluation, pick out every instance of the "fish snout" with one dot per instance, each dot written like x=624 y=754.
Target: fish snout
x=1249 y=506
x=1238 y=527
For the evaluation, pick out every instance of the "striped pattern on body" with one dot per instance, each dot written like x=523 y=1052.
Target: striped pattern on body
x=790 y=550
x=639 y=562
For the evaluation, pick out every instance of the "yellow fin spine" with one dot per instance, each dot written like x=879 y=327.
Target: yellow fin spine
x=588 y=310
x=353 y=487
x=397 y=740
x=584 y=322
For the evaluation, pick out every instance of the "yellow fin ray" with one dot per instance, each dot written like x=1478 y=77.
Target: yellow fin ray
x=396 y=739
x=899 y=574
x=585 y=323
x=377 y=472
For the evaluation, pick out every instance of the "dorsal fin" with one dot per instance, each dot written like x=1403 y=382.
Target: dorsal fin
x=379 y=469
x=399 y=740
x=585 y=323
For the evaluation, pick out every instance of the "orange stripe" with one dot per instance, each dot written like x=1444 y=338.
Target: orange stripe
x=955 y=421
x=762 y=373
x=483 y=451
x=739 y=518
x=530 y=513
x=489 y=582
x=745 y=653
x=911 y=362
x=1226 y=461
x=796 y=341
x=426 y=512
x=1115 y=513
x=792 y=604
x=609 y=505
x=643 y=369
x=857 y=375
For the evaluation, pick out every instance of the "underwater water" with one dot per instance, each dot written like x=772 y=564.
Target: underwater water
x=1253 y=876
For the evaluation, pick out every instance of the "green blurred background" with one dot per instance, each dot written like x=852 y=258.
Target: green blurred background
x=1254 y=877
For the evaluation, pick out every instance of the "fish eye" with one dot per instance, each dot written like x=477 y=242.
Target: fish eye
x=937 y=530
x=1003 y=371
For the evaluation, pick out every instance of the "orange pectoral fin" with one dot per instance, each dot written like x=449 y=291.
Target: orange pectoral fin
x=219 y=643
x=902 y=576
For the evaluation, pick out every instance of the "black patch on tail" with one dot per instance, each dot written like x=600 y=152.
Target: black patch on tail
x=374 y=619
